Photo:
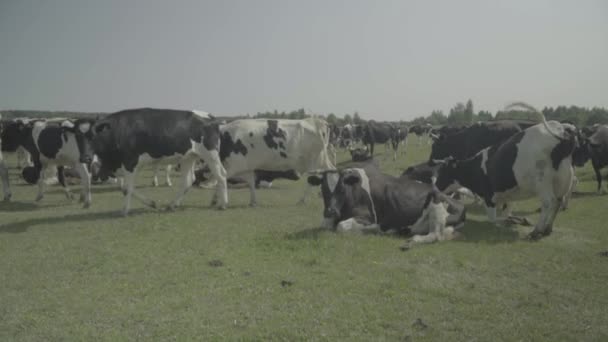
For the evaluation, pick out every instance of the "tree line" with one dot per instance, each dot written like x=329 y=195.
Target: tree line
x=460 y=114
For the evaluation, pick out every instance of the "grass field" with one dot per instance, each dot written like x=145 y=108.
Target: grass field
x=268 y=273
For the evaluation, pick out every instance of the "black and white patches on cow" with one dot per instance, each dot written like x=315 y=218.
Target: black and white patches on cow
x=277 y=145
x=535 y=162
x=129 y=139
x=365 y=200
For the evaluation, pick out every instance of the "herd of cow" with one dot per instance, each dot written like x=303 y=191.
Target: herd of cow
x=495 y=162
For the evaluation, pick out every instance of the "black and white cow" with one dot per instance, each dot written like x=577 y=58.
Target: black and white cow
x=274 y=145
x=52 y=144
x=533 y=162
x=130 y=139
x=469 y=141
x=363 y=199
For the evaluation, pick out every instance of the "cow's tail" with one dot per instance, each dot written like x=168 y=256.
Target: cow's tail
x=527 y=107
x=323 y=128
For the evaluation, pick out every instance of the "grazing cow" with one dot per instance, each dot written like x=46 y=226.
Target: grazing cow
x=595 y=147
x=130 y=139
x=380 y=133
x=52 y=144
x=363 y=199
x=473 y=139
x=274 y=145
x=536 y=161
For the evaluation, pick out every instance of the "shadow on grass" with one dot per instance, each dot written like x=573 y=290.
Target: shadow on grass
x=15 y=206
x=22 y=226
x=578 y=194
x=477 y=209
x=486 y=232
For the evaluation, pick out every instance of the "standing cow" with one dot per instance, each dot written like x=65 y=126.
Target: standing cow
x=533 y=162
x=380 y=133
x=594 y=147
x=274 y=145
x=129 y=139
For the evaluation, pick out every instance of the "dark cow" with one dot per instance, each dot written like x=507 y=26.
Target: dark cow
x=421 y=131
x=362 y=198
x=51 y=144
x=380 y=133
x=533 y=162
x=445 y=131
x=595 y=147
x=274 y=145
x=129 y=139
x=473 y=139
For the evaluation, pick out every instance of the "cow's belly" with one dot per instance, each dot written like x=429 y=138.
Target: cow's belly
x=146 y=159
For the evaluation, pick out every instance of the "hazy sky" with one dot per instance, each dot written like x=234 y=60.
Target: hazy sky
x=385 y=59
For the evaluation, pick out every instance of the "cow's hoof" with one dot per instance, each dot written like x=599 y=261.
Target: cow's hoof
x=547 y=232
x=300 y=202
x=154 y=205
x=86 y=205
x=7 y=198
x=39 y=198
x=222 y=207
x=406 y=247
x=253 y=204
x=170 y=185
x=125 y=213
x=535 y=235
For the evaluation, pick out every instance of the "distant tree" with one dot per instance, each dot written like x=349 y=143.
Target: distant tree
x=437 y=118
x=484 y=115
x=347 y=119
x=332 y=119
x=357 y=119
x=469 y=113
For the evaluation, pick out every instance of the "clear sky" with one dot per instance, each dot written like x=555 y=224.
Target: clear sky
x=385 y=59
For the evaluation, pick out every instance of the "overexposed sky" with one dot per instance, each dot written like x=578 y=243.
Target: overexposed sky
x=388 y=60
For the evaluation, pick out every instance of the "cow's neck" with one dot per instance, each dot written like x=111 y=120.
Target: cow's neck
x=469 y=173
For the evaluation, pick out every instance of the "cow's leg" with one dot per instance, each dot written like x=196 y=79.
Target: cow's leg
x=5 y=184
x=85 y=182
x=129 y=179
x=598 y=176
x=307 y=190
x=371 y=149
x=491 y=212
x=187 y=179
x=250 y=179
x=548 y=204
x=155 y=177
x=566 y=199
x=41 y=183
x=62 y=182
x=168 y=175
x=352 y=226
x=220 y=197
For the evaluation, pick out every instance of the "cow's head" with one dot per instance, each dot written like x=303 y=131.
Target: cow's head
x=346 y=194
x=447 y=174
x=13 y=135
x=83 y=132
x=104 y=146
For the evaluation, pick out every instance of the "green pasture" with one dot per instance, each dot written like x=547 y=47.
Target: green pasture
x=269 y=273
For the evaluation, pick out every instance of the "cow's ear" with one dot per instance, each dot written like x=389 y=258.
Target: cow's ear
x=351 y=179
x=315 y=180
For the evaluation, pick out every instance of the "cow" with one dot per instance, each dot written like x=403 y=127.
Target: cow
x=54 y=144
x=274 y=145
x=380 y=133
x=421 y=131
x=473 y=139
x=445 y=131
x=594 y=147
x=533 y=162
x=127 y=140
x=363 y=199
